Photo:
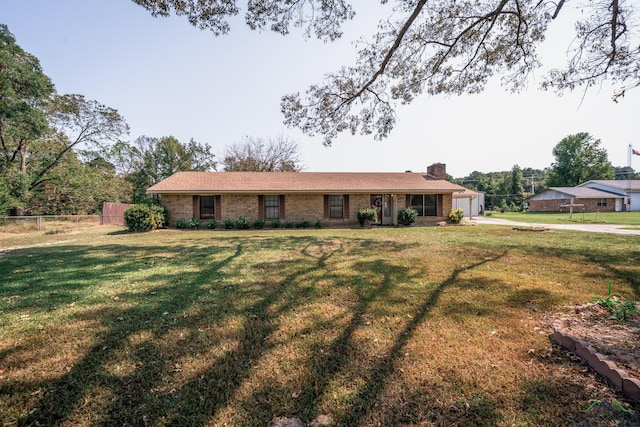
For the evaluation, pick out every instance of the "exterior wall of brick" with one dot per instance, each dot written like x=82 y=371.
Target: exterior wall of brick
x=234 y=206
x=179 y=206
x=590 y=205
x=298 y=207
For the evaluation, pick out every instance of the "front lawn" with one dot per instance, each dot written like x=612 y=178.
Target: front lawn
x=384 y=326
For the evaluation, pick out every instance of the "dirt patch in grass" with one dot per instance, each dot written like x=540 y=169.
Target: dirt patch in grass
x=618 y=340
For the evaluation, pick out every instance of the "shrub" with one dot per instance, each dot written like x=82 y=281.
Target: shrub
x=456 y=215
x=228 y=224
x=212 y=224
x=161 y=214
x=319 y=224
x=140 y=218
x=275 y=223
x=407 y=216
x=303 y=224
x=194 y=223
x=181 y=224
x=288 y=224
x=242 y=223
x=366 y=216
x=258 y=224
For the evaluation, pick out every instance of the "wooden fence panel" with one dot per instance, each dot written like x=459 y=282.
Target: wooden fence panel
x=113 y=213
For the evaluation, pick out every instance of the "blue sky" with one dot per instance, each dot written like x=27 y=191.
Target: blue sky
x=169 y=78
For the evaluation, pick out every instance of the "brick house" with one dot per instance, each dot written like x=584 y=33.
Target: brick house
x=332 y=197
x=555 y=199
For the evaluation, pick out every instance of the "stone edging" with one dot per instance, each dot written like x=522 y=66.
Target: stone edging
x=598 y=362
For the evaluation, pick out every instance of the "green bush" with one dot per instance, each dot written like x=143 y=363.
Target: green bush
x=212 y=224
x=303 y=224
x=242 y=223
x=140 y=218
x=194 y=224
x=228 y=224
x=456 y=215
x=366 y=216
x=258 y=224
x=275 y=223
x=181 y=224
x=289 y=224
x=319 y=224
x=407 y=216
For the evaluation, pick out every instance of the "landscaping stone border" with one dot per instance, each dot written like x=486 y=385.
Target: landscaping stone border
x=598 y=362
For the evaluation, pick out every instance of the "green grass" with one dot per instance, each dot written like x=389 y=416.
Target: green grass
x=385 y=326
x=615 y=218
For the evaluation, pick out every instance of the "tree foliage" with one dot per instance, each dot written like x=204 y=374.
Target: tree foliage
x=450 y=46
x=507 y=189
x=149 y=160
x=262 y=155
x=579 y=158
x=39 y=131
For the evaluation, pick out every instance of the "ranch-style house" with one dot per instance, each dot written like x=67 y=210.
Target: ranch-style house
x=331 y=197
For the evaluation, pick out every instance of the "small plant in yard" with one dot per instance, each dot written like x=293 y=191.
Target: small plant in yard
x=228 y=224
x=275 y=223
x=366 y=216
x=456 y=215
x=407 y=216
x=242 y=223
x=181 y=224
x=318 y=224
x=621 y=310
x=303 y=224
x=194 y=223
x=212 y=224
x=289 y=224
x=258 y=224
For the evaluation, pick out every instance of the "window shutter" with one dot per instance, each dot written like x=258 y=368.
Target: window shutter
x=281 y=214
x=439 y=206
x=196 y=207
x=345 y=206
x=260 y=207
x=407 y=201
x=326 y=206
x=217 y=207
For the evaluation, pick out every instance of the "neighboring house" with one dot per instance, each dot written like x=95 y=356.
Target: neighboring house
x=471 y=202
x=558 y=199
x=332 y=197
x=628 y=189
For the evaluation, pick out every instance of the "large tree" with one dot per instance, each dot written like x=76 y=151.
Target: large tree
x=448 y=46
x=40 y=129
x=262 y=155
x=579 y=158
x=24 y=93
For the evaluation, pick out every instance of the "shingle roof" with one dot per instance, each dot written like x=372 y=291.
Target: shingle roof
x=621 y=184
x=579 y=193
x=301 y=182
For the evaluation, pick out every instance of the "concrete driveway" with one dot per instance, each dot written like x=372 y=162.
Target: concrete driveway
x=590 y=228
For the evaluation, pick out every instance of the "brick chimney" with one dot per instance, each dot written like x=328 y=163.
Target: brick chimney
x=437 y=171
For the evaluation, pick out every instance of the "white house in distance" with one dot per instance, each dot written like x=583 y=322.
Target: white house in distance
x=629 y=189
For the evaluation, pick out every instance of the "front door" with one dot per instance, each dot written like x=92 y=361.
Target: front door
x=618 y=205
x=389 y=210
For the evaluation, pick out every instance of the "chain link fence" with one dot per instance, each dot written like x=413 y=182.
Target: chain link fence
x=48 y=222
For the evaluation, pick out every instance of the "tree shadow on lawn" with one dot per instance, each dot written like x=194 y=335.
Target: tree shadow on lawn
x=327 y=365
x=152 y=319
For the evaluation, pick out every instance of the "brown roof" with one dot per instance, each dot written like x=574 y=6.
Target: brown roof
x=301 y=182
